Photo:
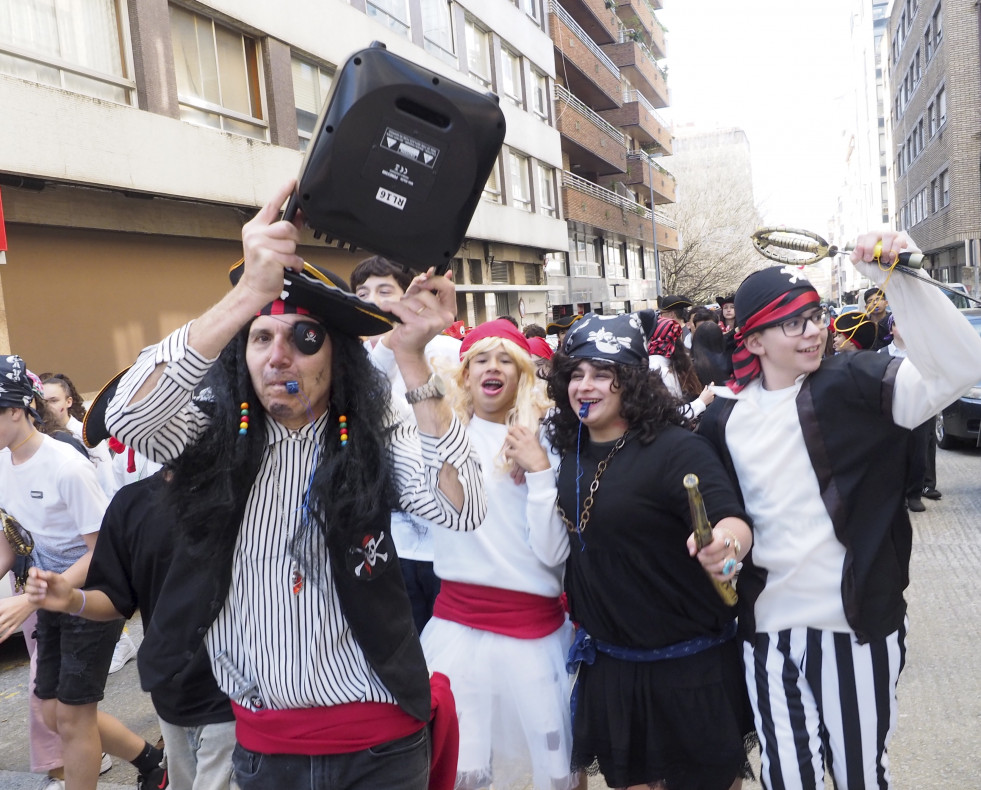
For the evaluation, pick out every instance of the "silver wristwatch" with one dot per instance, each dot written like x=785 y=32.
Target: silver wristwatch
x=434 y=388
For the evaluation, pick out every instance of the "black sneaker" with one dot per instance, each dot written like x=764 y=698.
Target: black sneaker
x=155 y=780
x=931 y=493
x=915 y=504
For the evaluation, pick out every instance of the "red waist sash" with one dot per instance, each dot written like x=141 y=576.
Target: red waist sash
x=508 y=612
x=352 y=727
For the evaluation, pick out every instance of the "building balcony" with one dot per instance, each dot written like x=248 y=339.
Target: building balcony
x=589 y=73
x=645 y=124
x=596 y=18
x=598 y=207
x=639 y=15
x=646 y=176
x=593 y=145
x=638 y=64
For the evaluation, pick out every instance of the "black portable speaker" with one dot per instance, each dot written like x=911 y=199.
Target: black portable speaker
x=398 y=160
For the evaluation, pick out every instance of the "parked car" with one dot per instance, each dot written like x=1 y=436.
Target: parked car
x=960 y=422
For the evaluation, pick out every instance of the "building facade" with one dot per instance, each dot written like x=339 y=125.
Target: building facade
x=934 y=90
x=608 y=89
x=139 y=135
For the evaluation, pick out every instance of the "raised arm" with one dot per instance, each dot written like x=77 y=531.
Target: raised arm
x=943 y=349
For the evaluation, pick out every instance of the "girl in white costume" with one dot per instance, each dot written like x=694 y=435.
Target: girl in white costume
x=499 y=631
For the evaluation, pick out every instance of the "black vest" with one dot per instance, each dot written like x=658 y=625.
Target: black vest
x=859 y=456
x=375 y=604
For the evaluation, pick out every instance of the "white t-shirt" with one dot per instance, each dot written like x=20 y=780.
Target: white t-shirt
x=55 y=496
x=100 y=456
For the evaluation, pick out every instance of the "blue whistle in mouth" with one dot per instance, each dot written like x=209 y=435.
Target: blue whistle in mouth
x=293 y=387
x=584 y=410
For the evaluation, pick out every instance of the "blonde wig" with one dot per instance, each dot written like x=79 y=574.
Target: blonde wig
x=530 y=402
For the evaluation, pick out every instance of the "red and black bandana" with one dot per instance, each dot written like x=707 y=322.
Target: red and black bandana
x=279 y=307
x=666 y=335
x=765 y=299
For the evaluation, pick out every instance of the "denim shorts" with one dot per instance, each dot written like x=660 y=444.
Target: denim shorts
x=73 y=657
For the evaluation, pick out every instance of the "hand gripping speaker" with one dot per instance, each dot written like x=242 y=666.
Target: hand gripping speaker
x=398 y=160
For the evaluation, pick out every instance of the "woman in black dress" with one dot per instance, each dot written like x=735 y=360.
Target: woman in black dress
x=660 y=699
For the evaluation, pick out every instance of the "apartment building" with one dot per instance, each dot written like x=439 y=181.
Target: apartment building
x=139 y=135
x=608 y=89
x=934 y=87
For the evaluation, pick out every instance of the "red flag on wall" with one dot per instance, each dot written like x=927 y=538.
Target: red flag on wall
x=3 y=236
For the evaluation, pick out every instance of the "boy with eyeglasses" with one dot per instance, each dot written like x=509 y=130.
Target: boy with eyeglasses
x=817 y=448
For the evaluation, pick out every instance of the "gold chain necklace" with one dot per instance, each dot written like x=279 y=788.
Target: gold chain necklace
x=593 y=487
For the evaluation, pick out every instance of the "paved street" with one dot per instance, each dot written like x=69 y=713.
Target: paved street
x=939 y=731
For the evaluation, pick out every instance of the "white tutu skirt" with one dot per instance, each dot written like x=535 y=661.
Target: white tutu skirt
x=512 y=700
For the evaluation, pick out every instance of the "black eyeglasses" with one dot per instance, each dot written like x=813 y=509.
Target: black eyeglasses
x=794 y=327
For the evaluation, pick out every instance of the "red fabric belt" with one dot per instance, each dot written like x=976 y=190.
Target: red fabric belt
x=518 y=614
x=340 y=729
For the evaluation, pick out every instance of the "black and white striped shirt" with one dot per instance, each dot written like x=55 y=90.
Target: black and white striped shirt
x=272 y=648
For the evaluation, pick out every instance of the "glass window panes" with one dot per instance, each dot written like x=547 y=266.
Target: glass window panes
x=437 y=29
x=311 y=83
x=492 y=189
x=394 y=14
x=478 y=53
x=539 y=93
x=217 y=73
x=63 y=34
x=546 y=190
x=511 y=76
x=520 y=181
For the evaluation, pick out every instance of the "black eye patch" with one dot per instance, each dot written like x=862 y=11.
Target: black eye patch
x=308 y=337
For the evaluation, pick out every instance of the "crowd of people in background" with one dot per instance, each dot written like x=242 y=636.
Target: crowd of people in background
x=374 y=548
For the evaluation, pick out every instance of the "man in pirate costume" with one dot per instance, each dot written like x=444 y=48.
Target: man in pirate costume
x=813 y=445
x=560 y=326
x=285 y=471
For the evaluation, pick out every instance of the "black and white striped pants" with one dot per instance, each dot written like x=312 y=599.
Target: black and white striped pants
x=821 y=699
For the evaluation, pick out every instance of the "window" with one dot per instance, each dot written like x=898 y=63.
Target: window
x=614 y=259
x=539 y=94
x=217 y=75
x=393 y=14
x=941 y=107
x=546 y=190
x=520 y=181
x=633 y=262
x=585 y=263
x=931 y=119
x=310 y=86
x=78 y=47
x=945 y=188
x=928 y=42
x=530 y=7
x=492 y=189
x=478 y=53
x=437 y=30
x=938 y=26
x=511 y=85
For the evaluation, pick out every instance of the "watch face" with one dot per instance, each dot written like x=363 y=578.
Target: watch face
x=438 y=385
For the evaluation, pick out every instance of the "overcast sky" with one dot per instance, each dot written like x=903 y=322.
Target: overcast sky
x=773 y=68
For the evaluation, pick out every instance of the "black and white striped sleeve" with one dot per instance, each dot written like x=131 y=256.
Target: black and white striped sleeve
x=417 y=460
x=164 y=422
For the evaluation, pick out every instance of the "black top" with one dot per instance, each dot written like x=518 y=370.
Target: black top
x=635 y=585
x=131 y=559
